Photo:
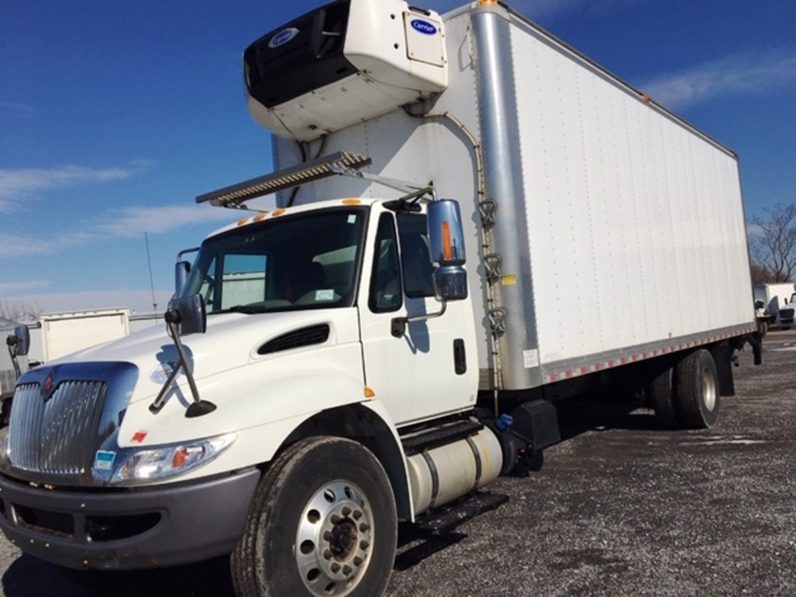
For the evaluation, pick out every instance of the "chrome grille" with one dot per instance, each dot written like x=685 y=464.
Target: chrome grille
x=55 y=436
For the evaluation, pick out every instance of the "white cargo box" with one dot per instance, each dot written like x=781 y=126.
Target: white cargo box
x=620 y=228
x=65 y=333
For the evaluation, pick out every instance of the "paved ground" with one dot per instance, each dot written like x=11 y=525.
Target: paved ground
x=622 y=508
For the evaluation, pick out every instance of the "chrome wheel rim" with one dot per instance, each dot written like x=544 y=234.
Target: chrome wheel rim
x=334 y=539
x=709 y=390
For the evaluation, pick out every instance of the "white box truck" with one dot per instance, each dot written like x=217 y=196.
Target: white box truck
x=68 y=332
x=773 y=303
x=474 y=222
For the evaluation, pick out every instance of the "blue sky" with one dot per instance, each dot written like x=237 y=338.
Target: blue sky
x=115 y=115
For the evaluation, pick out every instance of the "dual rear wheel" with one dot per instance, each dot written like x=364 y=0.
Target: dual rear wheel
x=687 y=394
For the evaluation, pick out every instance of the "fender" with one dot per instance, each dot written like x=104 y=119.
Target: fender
x=263 y=418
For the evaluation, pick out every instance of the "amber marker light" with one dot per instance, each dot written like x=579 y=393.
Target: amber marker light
x=351 y=201
x=447 y=244
x=277 y=212
x=369 y=393
x=243 y=221
x=179 y=458
x=259 y=217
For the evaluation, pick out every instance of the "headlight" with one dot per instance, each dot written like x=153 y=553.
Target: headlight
x=150 y=464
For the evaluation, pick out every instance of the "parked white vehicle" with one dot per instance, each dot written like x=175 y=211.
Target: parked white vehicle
x=67 y=332
x=371 y=352
x=13 y=362
x=774 y=303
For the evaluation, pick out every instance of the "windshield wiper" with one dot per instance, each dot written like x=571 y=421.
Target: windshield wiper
x=248 y=309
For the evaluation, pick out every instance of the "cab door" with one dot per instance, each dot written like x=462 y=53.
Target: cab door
x=430 y=369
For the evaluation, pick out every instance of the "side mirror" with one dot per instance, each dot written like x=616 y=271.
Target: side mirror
x=19 y=340
x=181 y=271
x=759 y=305
x=446 y=238
x=187 y=315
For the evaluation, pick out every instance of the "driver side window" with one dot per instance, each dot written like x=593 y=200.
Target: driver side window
x=385 y=281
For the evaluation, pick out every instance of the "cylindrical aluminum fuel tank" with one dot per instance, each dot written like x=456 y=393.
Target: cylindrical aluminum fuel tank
x=442 y=474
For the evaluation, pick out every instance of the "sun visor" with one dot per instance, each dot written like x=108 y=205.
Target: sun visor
x=344 y=63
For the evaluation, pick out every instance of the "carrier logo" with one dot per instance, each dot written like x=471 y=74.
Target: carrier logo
x=423 y=27
x=283 y=37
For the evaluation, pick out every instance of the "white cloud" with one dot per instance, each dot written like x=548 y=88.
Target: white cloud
x=22 y=285
x=20 y=245
x=739 y=74
x=127 y=222
x=20 y=183
x=134 y=221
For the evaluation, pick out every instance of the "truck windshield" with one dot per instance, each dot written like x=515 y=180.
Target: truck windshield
x=306 y=261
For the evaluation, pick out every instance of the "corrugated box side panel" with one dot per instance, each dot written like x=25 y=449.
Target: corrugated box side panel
x=636 y=223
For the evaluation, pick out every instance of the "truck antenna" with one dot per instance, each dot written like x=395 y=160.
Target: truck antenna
x=151 y=283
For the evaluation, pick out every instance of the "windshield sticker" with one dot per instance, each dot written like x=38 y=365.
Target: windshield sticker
x=352 y=219
x=324 y=295
x=103 y=461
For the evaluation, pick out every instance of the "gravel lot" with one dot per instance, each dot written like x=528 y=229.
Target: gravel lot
x=620 y=508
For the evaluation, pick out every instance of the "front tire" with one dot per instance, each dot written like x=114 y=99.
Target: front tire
x=697 y=390
x=322 y=523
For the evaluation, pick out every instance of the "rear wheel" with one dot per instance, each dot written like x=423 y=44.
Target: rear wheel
x=661 y=394
x=322 y=523
x=697 y=390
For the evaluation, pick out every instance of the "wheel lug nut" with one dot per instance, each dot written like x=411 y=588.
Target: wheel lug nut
x=346 y=570
x=327 y=555
x=364 y=527
x=364 y=545
x=327 y=536
x=335 y=567
x=357 y=514
x=346 y=511
x=357 y=561
x=335 y=519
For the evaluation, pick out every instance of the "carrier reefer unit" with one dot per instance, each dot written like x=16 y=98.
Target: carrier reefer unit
x=474 y=222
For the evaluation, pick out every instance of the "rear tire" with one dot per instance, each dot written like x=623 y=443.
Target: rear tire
x=322 y=522
x=697 y=390
x=661 y=394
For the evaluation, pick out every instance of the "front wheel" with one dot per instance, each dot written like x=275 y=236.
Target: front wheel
x=322 y=523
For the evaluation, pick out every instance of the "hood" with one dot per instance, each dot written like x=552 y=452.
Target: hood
x=232 y=340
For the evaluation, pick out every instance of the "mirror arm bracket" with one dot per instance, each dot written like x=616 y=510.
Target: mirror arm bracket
x=198 y=407
x=398 y=324
x=11 y=342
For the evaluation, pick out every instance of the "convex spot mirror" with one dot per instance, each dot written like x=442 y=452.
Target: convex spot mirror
x=446 y=239
x=19 y=340
x=189 y=314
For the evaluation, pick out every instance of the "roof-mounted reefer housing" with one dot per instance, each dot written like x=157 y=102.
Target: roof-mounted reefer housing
x=343 y=63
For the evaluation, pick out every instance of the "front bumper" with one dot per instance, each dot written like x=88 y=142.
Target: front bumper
x=128 y=529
